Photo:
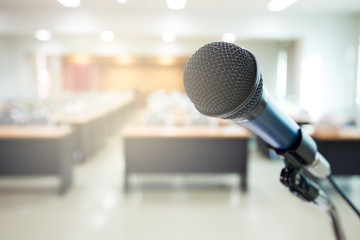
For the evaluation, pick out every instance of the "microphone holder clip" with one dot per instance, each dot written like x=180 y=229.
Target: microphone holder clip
x=304 y=188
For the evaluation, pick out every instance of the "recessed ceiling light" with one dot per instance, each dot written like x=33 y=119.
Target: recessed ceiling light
x=122 y=1
x=168 y=36
x=229 y=37
x=43 y=35
x=176 y=4
x=279 y=5
x=107 y=36
x=70 y=3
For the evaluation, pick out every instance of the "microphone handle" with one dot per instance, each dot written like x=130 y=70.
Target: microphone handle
x=272 y=125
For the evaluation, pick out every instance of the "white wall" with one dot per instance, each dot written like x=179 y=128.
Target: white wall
x=334 y=39
x=334 y=42
x=15 y=79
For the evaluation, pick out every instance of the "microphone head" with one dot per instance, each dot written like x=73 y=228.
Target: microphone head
x=222 y=80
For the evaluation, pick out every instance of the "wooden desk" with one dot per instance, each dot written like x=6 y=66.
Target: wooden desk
x=37 y=150
x=195 y=149
x=341 y=148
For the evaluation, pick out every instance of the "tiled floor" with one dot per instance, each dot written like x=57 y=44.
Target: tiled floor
x=163 y=207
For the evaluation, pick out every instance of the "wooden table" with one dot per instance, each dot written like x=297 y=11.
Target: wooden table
x=37 y=150
x=194 y=149
x=341 y=148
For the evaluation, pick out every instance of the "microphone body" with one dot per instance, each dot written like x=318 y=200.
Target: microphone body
x=273 y=126
x=223 y=80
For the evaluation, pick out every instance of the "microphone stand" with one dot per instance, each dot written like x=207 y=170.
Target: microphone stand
x=301 y=186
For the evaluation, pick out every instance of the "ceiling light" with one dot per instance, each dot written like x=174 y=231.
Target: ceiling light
x=43 y=35
x=70 y=3
x=176 y=4
x=168 y=36
x=122 y=1
x=107 y=36
x=229 y=37
x=279 y=5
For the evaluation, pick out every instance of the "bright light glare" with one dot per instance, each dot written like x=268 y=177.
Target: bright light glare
x=279 y=5
x=229 y=37
x=176 y=4
x=281 y=74
x=107 y=36
x=70 y=3
x=122 y=1
x=43 y=77
x=311 y=82
x=358 y=80
x=43 y=35
x=357 y=96
x=168 y=36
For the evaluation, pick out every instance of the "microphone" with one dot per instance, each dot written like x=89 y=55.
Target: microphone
x=223 y=80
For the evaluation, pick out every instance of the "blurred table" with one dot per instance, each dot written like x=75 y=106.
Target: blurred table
x=193 y=149
x=37 y=150
x=341 y=148
x=93 y=126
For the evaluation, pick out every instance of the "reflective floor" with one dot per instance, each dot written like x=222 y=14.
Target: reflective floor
x=195 y=207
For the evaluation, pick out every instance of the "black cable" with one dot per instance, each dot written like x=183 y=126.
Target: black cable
x=343 y=194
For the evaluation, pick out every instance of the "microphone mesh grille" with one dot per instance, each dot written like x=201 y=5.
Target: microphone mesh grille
x=220 y=77
x=254 y=100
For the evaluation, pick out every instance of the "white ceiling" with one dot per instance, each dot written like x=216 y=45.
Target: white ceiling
x=192 y=5
x=151 y=17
